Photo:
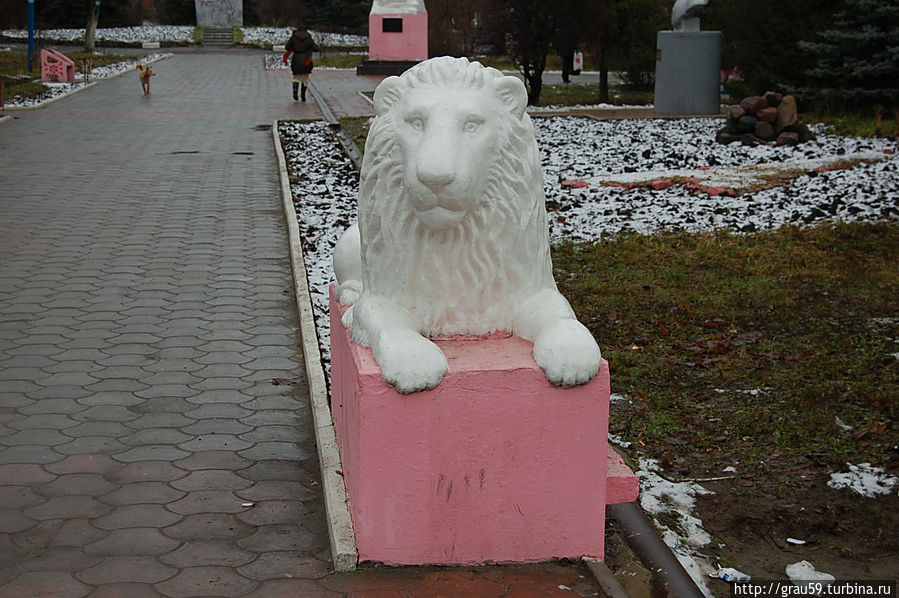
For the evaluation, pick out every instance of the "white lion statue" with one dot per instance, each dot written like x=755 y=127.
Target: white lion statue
x=452 y=237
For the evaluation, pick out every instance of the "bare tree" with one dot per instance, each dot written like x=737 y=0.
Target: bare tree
x=90 y=32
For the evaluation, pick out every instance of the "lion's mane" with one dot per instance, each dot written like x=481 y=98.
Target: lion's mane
x=469 y=279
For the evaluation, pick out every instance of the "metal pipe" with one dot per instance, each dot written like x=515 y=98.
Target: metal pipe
x=652 y=552
x=30 y=35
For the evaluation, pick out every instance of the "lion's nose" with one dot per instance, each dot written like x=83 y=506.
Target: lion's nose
x=435 y=173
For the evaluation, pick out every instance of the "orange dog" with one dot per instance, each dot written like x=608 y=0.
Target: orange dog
x=145 y=73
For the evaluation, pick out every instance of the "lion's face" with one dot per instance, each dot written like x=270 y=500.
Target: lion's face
x=447 y=140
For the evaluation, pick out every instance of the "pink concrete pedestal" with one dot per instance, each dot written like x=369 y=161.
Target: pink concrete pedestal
x=409 y=43
x=493 y=465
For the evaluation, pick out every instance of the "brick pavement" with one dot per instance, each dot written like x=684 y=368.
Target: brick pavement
x=145 y=310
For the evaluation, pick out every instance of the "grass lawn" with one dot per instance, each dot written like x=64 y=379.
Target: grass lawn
x=730 y=345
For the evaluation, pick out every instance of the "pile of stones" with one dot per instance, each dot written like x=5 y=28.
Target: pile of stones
x=771 y=118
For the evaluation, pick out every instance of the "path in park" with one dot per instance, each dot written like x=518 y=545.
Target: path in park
x=145 y=309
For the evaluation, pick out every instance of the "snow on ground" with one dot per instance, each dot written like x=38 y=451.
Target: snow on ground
x=129 y=35
x=278 y=36
x=263 y=36
x=53 y=90
x=578 y=149
x=864 y=479
x=672 y=504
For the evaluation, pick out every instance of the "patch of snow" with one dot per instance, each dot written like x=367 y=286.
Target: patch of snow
x=615 y=439
x=864 y=479
x=659 y=496
x=804 y=575
x=730 y=469
x=130 y=35
x=184 y=34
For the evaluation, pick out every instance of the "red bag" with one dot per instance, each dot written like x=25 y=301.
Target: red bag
x=286 y=56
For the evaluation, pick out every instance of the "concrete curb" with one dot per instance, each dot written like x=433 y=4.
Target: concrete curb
x=340 y=524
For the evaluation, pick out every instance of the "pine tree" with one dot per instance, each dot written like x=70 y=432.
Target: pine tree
x=856 y=61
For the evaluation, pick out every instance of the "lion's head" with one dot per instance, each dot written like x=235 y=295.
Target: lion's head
x=451 y=204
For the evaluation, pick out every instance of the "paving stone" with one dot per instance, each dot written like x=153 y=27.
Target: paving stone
x=160 y=420
x=211 y=442
x=222 y=426
x=274 y=470
x=142 y=493
x=156 y=436
x=285 y=565
x=291 y=588
x=281 y=537
x=207 y=581
x=18 y=497
x=59 y=392
x=55 y=584
x=87 y=484
x=208 y=526
x=83 y=464
x=147 y=471
x=274 y=512
x=271 y=418
x=132 y=541
x=68 y=507
x=208 y=501
x=214 y=460
x=13 y=520
x=124 y=590
x=209 y=479
x=98 y=428
x=208 y=552
x=130 y=516
x=25 y=474
x=121 y=569
x=277 y=450
x=278 y=490
x=220 y=396
x=151 y=452
x=125 y=399
x=46 y=437
x=75 y=532
x=91 y=444
x=29 y=453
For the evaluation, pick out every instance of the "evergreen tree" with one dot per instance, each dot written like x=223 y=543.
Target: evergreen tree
x=857 y=59
x=762 y=38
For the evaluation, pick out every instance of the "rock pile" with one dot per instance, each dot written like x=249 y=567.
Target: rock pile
x=771 y=118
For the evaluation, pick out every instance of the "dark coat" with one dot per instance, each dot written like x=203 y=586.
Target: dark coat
x=302 y=46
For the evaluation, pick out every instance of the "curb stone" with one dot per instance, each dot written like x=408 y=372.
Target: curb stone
x=340 y=526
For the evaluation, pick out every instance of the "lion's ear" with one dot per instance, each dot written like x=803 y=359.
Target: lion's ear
x=387 y=94
x=512 y=94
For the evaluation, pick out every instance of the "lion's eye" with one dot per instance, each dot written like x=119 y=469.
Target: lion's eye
x=472 y=126
x=416 y=123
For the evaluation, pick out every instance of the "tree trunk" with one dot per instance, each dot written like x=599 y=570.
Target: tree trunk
x=603 y=78
x=90 y=32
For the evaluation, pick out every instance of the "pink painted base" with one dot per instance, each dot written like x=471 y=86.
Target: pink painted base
x=410 y=44
x=494 y=465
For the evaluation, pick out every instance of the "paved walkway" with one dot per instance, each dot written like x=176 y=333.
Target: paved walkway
x=145 y=310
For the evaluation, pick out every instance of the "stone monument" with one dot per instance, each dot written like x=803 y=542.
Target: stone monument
x=219 y=13
x=462 y=382
x=397 y=37
x=688 y=64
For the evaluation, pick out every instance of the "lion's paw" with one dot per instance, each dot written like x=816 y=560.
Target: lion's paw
x=349 y=292
x=567 y=353
x=409 y=362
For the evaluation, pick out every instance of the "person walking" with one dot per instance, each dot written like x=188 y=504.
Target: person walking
x=301 y=45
